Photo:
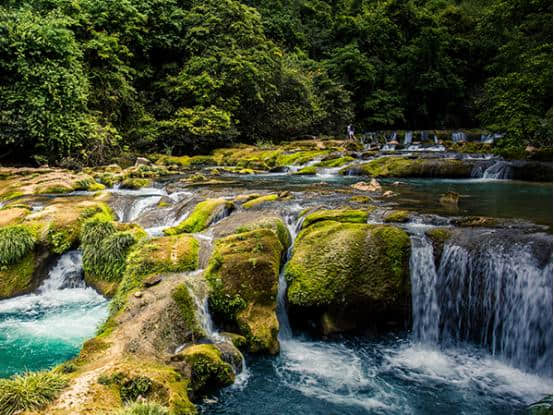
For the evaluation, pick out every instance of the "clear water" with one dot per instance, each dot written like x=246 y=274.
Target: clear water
x=358 y=376
x=42 y=329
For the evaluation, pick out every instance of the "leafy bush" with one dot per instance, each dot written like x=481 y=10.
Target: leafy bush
x=15 y=242
x=31 y=391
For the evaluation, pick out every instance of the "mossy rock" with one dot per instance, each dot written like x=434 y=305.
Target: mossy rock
x=135 y=183
x=21 y=260
x=273 y=223
x=404 y=167
x=187 y=309
x=204 y=214
x=243 y=274
x=299 y=157
x=438 y=237
x=155 y=256
x=400 y=216
x=476 y=221
x=208 y=370
x=360 y=199
x=343 y=268
x=261 y=200
x=306 y=171
x=335 y=162
x=13 y=215
x=542 y=407
x=337 y=215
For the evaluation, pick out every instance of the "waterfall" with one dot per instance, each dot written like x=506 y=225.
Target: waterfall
x=285 y=332
x=408 y=138
x=424 y=300
x=498 y=296
x=499 y=170
x=458 y=137
x=66 y=273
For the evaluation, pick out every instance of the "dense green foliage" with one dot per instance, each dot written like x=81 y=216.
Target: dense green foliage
x=15 y=243
x=89 y=78
x=29 y=392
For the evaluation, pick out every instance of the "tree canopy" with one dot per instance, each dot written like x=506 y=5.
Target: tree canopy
x=187 y=75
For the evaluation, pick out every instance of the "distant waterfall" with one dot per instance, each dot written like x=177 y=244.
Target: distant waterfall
x=498 y=296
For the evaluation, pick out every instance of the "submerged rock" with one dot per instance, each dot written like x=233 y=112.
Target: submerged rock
x=350 y=275
x=372 y=186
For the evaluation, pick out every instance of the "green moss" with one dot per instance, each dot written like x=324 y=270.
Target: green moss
x=305 y=171
x=162 y=204
x=397 y=216
x=167 y=254
x=29 y=392
x=338 y=215
x=208 y=371
x=17 y=278
x=345 y=264
x=403 y=167
x=360 y=199
x=243 y=276
x=259 y=200
x=238 y=341
x=135 y=183
x=273 y=223
x=187 y=307
x=336 y=162
x=299 y=157
x=16 y=242
x=542 y=407
x=202 y=216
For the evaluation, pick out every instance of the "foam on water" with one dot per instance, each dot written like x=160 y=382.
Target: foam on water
x=44 y=328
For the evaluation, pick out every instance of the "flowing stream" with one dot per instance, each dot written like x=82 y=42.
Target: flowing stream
x=496 y=362
x=48 y=326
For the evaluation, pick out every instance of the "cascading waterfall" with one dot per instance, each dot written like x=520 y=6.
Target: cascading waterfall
x=499 y=170
x=44 y=328
x=495 y=297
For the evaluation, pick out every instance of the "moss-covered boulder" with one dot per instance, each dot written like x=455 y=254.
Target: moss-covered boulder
x=134 y=183
x=208 y=371
x=400 y=216
x=348 y=275
x=204 y=214
x=337 y=215
x=12 y=215
x=261 y=200
x=334 y=162
x=243 y=274
x=19 y=260
x=405 y=167
x=438 y=237
x=155 y=256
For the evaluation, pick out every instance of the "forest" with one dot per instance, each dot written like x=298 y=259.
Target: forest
x=84 y=80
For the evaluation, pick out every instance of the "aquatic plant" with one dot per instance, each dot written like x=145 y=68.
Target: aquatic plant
x=30 y=391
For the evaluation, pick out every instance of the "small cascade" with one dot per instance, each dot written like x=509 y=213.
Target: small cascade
x=48 y=326
x=139 y=206
x=459 y=137
x=499 y=170
x=67 y=273
x=424 y=301
x=498 y=296
x=408 y=138
x=285 y=331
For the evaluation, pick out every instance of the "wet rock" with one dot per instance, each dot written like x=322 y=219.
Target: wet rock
x=388 y=193
x=450 y=199
x=141 y=161
x=542 y=407
x=204 y=214
x=243 y=274
x=372 y=186
x=349 y=272
x=151 y=281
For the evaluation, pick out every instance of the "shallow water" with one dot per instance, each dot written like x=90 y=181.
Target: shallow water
x=384 y=376
x=42 y=329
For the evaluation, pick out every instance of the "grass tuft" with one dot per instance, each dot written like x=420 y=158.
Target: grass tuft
x=142 y=408
x=29 y=392
x=15 y=243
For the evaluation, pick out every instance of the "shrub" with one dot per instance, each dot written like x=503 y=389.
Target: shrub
x=15 y=242
x=29 y=392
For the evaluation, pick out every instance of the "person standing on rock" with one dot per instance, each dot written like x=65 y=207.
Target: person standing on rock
x=350 y=132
